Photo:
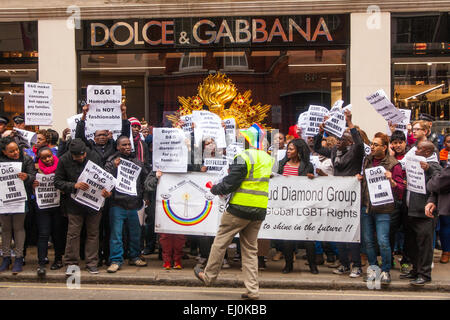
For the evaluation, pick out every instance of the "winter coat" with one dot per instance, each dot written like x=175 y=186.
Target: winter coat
x=439 y=188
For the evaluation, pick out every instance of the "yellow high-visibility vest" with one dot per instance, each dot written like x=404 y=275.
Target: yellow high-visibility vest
x=254 y=190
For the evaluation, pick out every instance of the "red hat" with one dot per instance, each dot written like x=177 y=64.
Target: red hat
x=134 y=121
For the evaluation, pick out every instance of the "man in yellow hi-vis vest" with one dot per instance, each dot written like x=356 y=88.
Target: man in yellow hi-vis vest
x=248 y=181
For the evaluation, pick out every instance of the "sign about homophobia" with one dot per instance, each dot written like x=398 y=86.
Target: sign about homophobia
x=322 y=209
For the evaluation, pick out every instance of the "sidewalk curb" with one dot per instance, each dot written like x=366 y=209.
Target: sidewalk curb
x=158 y=279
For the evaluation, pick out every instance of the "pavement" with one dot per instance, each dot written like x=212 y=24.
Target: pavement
x=300 y=278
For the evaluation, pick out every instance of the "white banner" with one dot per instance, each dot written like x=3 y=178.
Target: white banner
x=185 y=206
x=97 y=179
x=47 y=196
x=38 y=104
x=315 y=118
x=12 y=189
x=323 y=209
x=170 y=153
x=31 y=137
x=379 y=186
x=415 y=176
x=208 y=124
x=127 y=176
x=383 y=106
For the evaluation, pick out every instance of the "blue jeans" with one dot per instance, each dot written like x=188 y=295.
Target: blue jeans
x=379 y=223
x=117 y=216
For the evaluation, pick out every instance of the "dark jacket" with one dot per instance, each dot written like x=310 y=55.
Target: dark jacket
x=350 y=162
x=27 y=167
x=109 y=148
x=66 y=175
x=122 y=200
x=303 y=168
x=388 y=162
x=232 y=182
x=418 y=201
x=439 y=188
x=126 y=132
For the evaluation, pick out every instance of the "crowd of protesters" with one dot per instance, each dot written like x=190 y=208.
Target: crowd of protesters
x=408 y=227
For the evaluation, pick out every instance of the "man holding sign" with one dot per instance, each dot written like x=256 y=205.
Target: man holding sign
x=69 y=169
x=127 y=198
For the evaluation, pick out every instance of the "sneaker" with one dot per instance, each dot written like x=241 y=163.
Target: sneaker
x=225 y=264
x=138 y=262
x=385 y=277
x=167 y=265
x=177 y=265
x=405 y=268
x=341 y=270
x=114 y=267
x=356 y=272
x=92 y=270
x=277 y=256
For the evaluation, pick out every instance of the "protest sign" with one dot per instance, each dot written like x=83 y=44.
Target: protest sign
x=187 y=124
x=325 y=209
x=31 y=137
x=97 y=179
x=302 y=123
x=47 y=196
x=232 y=150
x=185 y=206
x=208 y=125
x=315 y=118
x=415 y=174
x=230 y=130
x=127 y=176
x=15 y=207
x=384 y=107
x=38 y=104
x=215 y=165
x=336 y=124
x=367 y=149
x=402 y=125
x=12 y=189
x=72 y=123
x=336 y=107
x=170 y=153
x=315 y=162
x=379 y=186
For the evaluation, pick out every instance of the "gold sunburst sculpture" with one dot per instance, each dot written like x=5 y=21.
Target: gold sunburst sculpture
x=215 y=92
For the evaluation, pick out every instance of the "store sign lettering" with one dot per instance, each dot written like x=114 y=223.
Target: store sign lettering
x=209 y=31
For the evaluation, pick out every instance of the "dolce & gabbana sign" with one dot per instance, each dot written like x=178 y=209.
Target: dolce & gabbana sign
x=308 y=30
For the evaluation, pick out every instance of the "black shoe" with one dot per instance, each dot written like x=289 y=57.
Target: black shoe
x=41 y=271
x=420 y=281
x=313 y=269
x=288 y=268
x=409 y=275
x=56 y=265
x=92 y=270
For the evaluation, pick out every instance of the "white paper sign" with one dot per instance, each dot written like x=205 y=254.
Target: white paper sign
x=127 y=176
x=367 y=149
x=208 y=124
x=12 y=189
x=415 y=176
x=403 y=124
x=322 y=209
x=315 y=162
x=230 y=130
x=72 y=123
x=38 y=104
x=232 y=150
x=31 y=137
x=315 y=118
x=170 y=153
x=47 y=196
x=97 y=179
x=215 y=165
x=187 y=124
x=384 y=107
x=336 y=124
x=379 y=186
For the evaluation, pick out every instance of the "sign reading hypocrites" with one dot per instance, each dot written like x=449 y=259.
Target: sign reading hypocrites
x=196 y=32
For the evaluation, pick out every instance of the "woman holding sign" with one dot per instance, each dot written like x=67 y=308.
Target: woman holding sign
x=382 y=187
x=49 y=217
x=13 y=220
x=296 y=163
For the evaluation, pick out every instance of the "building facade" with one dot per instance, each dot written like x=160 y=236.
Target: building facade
x=290 y=54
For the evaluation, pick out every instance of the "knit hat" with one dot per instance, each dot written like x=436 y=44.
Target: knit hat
x=134 y=121
x=77 y=147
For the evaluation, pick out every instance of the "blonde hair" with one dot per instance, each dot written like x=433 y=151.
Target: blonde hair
x=423 y=125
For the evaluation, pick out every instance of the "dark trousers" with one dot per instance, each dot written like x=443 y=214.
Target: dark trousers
x=51 y=222
x=289 y=247
x=76 y=222
x=149 y=235
x=104 y=235
x=354 y=249
x=421 y=247
x=399 y=219
x=204 y=244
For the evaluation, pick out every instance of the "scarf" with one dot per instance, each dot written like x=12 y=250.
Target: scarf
x=50 y=169
x=139 y=148
x=443 y=155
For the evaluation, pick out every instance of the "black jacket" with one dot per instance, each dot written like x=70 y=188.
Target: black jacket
x=66 y=175
x=126 y=132
x=439 y=187
x=351 y=161
x=232 y=182
x=109 y=148
x=122 y=200
x=27 y=167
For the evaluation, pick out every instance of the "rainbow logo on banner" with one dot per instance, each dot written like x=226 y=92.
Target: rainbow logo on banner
x=183 y=221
